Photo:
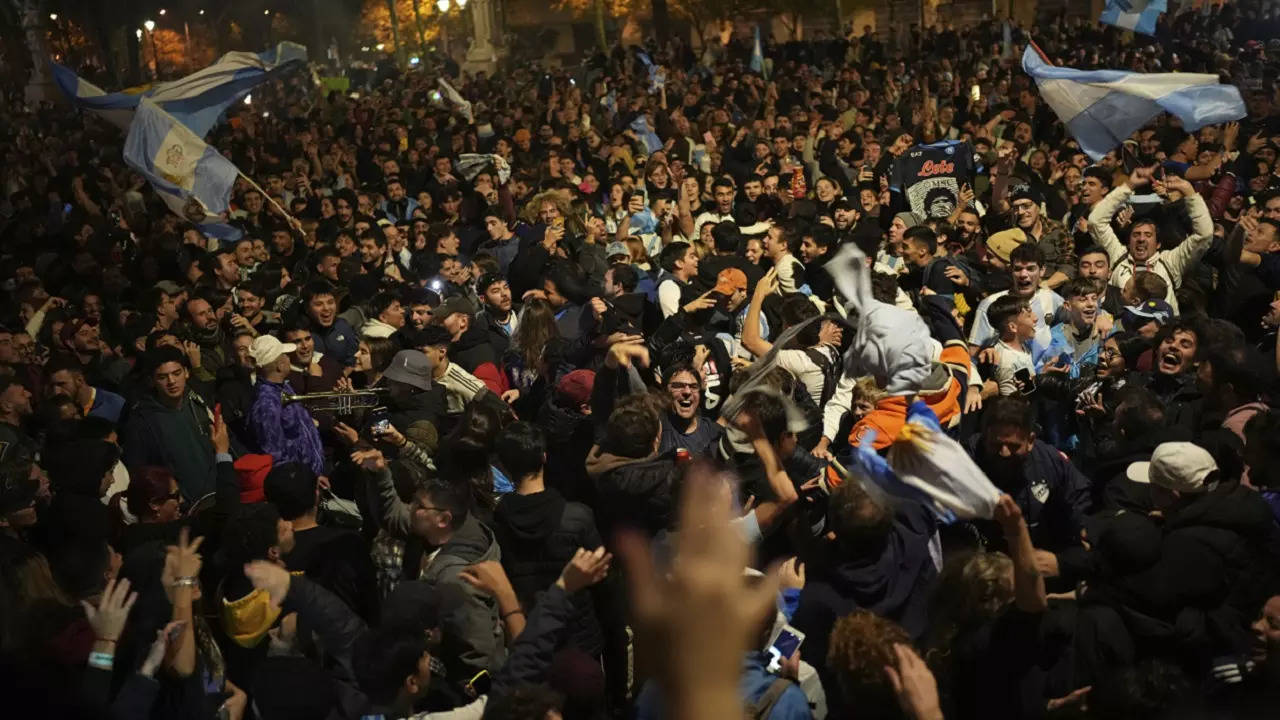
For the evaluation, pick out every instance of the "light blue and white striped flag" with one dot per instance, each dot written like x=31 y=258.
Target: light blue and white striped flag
x=191 y=177
x=757 y=53
x=1103 y=107
x=1139 y=16
x=197 y=100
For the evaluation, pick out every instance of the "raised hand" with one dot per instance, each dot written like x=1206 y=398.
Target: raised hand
x=108 y=618
x=914 y=685
x=587 y=568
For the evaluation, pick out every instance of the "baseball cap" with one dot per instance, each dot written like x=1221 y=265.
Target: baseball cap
x=616 y=248
x=410 y=367
x=1181 y=466
x=1002 y=243
x=451 y=305
x=266 y=349
x=574 y=389
x=1159 y=310
x=729 y=280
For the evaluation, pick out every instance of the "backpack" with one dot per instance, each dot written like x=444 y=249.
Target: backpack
x=762 y=708
x=830 y=373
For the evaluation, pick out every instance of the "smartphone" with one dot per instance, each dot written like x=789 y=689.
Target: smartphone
x=1026 y=381
x=784 y=645
x=975 y=93
x=379 y=422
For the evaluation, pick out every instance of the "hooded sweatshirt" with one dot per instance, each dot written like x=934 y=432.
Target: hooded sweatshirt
x=473 y=637
x=539 y=533
x=174 y=438
x=893 y=583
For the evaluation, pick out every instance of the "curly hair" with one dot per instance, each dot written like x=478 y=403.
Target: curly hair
x=861 y=646
x=972 y=589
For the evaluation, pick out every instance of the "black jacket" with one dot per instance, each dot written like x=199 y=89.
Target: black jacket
x=634 y=492
x=473 y=349
x=538 y=534
x=569 y=439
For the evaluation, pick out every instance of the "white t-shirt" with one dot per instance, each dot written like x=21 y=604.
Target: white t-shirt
x=669 y=296
x=799 y=364
x=1044 y=304
x=1009 y=362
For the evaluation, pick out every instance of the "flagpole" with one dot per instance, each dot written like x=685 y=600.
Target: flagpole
x=293 y=222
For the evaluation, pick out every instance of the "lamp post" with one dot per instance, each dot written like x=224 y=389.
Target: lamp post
x=150 y=25
x=443 y=5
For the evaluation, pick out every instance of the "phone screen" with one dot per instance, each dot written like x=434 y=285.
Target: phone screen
x=784 y=646
x=1026 y=381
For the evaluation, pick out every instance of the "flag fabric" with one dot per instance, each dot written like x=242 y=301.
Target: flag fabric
x=191 y=177
x=1139 y=16
x=646 y=134
x=471 y=164
x=455 y=97
x=657 y=77
x=197 y=100
x=925 y=465
x=757 y=54
x=1103 y=107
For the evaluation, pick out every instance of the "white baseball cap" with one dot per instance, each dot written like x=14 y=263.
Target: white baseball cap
x=1181 y=466
x=266 y=349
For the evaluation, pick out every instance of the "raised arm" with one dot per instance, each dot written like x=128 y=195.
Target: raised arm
x=1197 y=243
x=751 y=339
x=1028 y=585
x=1100 y=220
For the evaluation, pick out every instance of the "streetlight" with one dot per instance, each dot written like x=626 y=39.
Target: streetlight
x=150 y=25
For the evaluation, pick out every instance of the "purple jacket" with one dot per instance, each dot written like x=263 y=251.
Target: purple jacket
x=286 y=433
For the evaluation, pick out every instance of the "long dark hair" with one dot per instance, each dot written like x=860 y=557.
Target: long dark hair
x=536 y=328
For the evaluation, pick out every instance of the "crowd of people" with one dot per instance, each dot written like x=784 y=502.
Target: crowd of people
x=374 y=456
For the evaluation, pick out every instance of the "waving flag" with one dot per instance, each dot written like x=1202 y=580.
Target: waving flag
x=1139 y=16
x=191 y=177
x=646 y=134
x=197 y=100
x=757 y=54
x=657 y=78
x=1103 y=107
x=455 y=97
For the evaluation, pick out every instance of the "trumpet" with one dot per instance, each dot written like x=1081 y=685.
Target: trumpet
x=338 y=402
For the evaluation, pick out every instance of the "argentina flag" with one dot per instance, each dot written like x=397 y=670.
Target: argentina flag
x=197 y=100
x=191 y=177
x=757 y=54
x=1101 y=108
x=1139 y=16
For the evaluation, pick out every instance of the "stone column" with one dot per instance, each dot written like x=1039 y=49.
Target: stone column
x=482 y=56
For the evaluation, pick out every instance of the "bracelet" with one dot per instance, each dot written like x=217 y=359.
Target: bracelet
x=508 y=614
x=187 y=581
x=102 y=661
